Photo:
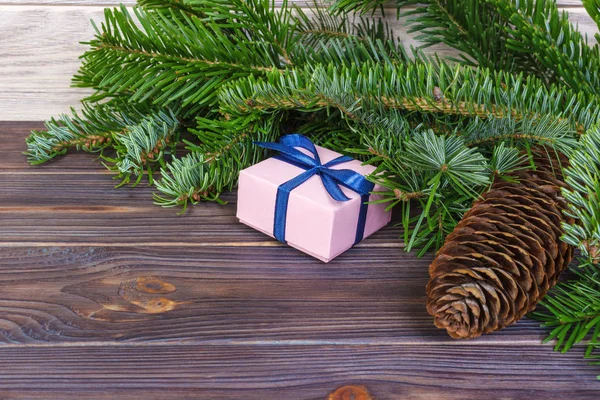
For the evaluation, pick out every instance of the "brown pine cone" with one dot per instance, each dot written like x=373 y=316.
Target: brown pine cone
x=503 y=256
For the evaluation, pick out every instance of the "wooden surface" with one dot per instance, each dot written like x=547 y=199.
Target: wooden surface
x=104 y=295
x=39 y=50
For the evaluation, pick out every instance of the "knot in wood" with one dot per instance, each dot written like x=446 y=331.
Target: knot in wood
x=156 y=306
x=140 y=293
x=350 y=392
x=151 y=284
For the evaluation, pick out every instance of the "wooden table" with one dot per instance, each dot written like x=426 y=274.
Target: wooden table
x=105 y=295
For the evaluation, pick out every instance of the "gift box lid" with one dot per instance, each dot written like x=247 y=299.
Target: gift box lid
x=277 y=172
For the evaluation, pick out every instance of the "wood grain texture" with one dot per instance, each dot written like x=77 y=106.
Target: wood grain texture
x=105 y=216
x=292 y=372
x=40 y=46
x=222 y=295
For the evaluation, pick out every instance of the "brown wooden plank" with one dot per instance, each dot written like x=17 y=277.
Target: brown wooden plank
x=227 y=295
x=85 y=209
x=294 y=372
x=72 y=201
x=12 y=160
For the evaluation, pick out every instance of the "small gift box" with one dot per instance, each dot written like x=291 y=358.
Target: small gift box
x=311 y=198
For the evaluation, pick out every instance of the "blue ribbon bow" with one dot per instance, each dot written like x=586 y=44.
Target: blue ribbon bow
x=331 y=178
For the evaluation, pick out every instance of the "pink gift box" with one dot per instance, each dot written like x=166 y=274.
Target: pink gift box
x=316 y=223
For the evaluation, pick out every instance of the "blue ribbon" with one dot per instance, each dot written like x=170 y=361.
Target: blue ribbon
x=331 y=178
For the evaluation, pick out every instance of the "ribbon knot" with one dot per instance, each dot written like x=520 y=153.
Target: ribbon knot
x=332 y=179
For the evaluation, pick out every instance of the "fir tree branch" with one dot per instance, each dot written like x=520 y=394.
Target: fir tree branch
x=540 y=28
x=469 y=26
x=213 y=166
x=180 y=63
x=572 y=310
x=440 y=173
x=146 y=55
x=325 y=25
x=190 y=180
x=94 y=129
x=593 y=9
x=186 y=6
x=144 y=145
x=531 y=36
x=583 y=176
x=171 y=62
x=465 y=25
x=544 y=131
x=421 y=88
x=360 y=6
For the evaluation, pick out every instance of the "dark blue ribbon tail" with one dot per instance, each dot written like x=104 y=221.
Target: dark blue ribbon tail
x=362 y=218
